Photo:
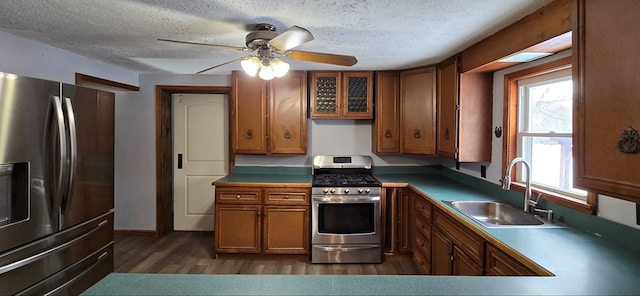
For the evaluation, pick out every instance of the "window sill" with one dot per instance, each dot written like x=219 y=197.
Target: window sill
x=586 y=207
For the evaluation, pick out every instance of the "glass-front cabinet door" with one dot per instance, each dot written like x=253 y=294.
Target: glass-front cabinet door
x=357 y=95
x=325 y=87
x=342 y=95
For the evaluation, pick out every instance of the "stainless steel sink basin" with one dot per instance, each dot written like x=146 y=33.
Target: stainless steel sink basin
x=498 y=214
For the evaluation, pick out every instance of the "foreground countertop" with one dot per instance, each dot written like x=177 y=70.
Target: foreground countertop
x=584 y=262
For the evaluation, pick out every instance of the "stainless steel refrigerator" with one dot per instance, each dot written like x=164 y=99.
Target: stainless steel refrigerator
x=56 y=186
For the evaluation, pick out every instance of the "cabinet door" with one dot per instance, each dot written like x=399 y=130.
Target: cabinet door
x=418 y=111
x=405 y=220
x=248 y=115
x=441 y=253
x=386 y=123
x=465 y=108
x=475 y=104
x=238 y=228
x=499 y=263
x=463 y=264
x=288 y=114
x=286 y=230
x=357 y=95
x=606 y=114
x=325 y=89
x=448 y=109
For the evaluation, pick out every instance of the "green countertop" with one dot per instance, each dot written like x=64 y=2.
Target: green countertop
x=589 y=259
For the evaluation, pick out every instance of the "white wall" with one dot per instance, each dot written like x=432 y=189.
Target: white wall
x=609 y=208
x=28 y=58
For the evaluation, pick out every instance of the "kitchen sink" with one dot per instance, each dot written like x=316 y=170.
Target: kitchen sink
x=498 y=214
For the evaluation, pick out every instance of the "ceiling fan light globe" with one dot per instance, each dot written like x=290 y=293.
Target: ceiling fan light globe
x=251 y=66
x=280 y=68
x=266 y=73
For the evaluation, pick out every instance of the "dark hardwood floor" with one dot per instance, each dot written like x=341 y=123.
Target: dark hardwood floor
x=193 y=252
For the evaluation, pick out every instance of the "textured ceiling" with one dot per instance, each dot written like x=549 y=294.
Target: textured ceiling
x=382 y=34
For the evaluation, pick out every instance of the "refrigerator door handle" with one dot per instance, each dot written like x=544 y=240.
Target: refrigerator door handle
x=73 y=155
x=61 y=139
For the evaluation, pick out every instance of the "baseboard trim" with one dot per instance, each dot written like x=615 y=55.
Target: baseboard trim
x=136 y=232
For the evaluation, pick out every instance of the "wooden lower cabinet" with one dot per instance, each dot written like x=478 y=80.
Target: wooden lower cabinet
x=456 y=249
x=286 y=230
x=260 y=220
x=422 y=234
x=405 y=220
x=498 y=262
x=238 y=228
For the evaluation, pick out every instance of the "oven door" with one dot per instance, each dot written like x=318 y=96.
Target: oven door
x=345 y=219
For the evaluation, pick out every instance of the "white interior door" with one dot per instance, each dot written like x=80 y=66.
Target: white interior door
x=200 y=148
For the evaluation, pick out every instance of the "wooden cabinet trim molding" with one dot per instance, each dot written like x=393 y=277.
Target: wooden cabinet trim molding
x=550 y=31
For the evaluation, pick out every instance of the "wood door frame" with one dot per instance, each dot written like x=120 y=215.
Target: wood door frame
x=164 y=149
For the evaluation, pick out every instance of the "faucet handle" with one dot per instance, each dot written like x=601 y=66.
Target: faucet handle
x=506 y=182
x=538 y=196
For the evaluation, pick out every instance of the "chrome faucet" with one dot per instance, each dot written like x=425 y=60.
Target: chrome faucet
x=506 y=181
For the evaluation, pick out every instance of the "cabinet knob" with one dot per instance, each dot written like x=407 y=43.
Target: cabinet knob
x=287 y=134
x=249 y=134
x=238 y=196
x=446 y=133
x=387 y=134
x=417 y=134
x=286 y=197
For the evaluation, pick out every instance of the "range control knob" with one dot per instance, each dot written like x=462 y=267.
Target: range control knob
x=346 y=190
x=325 y=191
x=360 y=190
x=367 y=191
x=333 y=191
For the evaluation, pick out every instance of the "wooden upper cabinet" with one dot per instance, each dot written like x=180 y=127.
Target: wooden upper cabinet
x=286 y=132
x=418 y=111
x=448 y=108
x=248 y=114
x=386 y=127
x=347 y=95
x=465 y=103
x=606 y=110
x=288 y=114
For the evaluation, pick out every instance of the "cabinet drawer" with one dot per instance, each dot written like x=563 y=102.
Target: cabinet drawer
x=287 y=196
x=421 y=259
x=423 y=226
x=470 y=242
x=423 y=207
x=423 y=245
x=238 y=195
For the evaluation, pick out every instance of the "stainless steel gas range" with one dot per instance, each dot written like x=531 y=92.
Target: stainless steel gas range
x=346 y=211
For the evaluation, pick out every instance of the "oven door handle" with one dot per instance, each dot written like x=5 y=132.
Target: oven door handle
x=345 y=248
x=334 y=200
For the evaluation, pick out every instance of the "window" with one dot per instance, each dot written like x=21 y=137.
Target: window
x=545 y=104
x=538 y=120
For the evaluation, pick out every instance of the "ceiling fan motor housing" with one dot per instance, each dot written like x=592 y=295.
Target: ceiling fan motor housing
x=260 y=38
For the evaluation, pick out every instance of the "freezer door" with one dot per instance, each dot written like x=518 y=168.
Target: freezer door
x=30 y=145
x=90 y=114
x=57 y=256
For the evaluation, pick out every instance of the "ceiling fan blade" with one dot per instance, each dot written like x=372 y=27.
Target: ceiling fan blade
x=216 y=66
x=292 y=37
x=205 y=44
x=325 y=58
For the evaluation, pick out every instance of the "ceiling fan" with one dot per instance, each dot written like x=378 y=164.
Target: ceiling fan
x=267 y=45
